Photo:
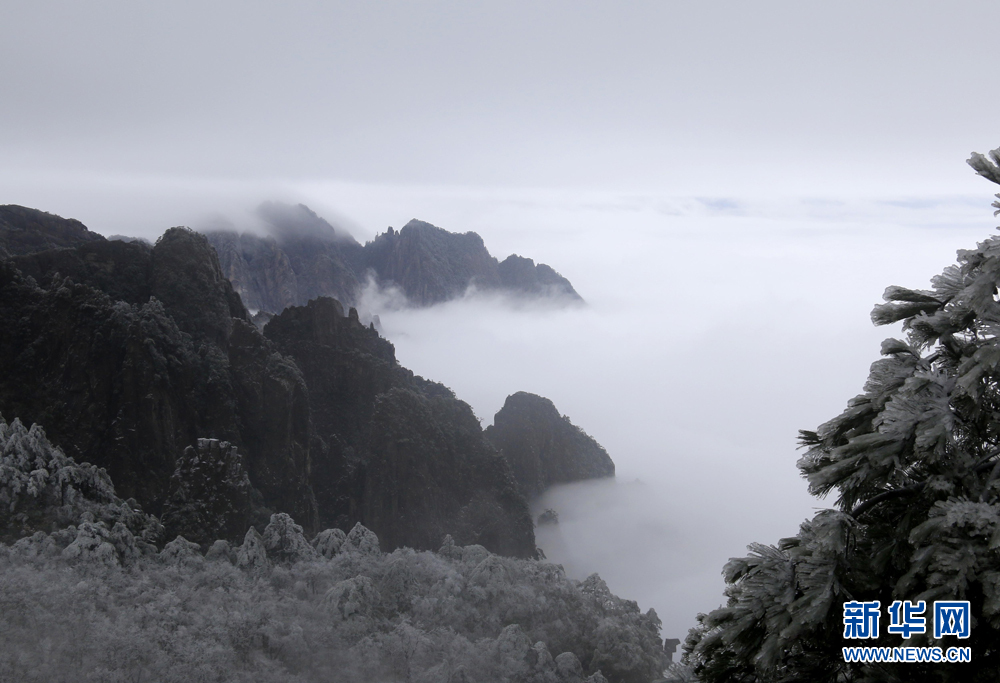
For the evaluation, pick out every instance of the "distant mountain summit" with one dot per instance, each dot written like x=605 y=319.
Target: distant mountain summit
x=302 y=256
x=287 y=222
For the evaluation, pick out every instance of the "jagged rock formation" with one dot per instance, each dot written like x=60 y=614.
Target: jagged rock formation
x=544 y=447
x=143 y=351
x=304 y=257
x=430 y=264
x=519 y=274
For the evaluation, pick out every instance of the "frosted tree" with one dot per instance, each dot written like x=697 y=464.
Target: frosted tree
x=43 y=488
x=210 y=494
x=284 y=541
x=915 y=464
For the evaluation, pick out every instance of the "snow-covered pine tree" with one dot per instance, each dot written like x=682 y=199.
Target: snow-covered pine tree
x=915 y=463
x=42 y=488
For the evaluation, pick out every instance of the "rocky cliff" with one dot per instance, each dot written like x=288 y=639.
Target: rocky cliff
x=146 y=351
x=398 y=452
x=302 y=256
x=522 y=275
x=130 y=355
x=543 y=447
x=430 y=264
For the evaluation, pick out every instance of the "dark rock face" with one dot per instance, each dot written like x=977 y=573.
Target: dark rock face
x=304 y=257
x=128 y=383
x=109 y=381
x=258 y=269
x=185 y=275
x=430 y=264
x=272 y=405
x=346 y=366
x=519 y=274
x=24 y=231
x=431 y=473
x=271 y=275
x=544 y=447
x=395 y=452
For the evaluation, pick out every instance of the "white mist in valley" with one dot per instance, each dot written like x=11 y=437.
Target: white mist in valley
x=712 y=333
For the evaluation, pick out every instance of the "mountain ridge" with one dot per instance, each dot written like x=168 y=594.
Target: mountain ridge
x=304 y=256
x=130 y=353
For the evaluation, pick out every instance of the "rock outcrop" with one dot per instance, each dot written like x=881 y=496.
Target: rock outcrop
x=430 y=264
x=394 y=451
x=544 y=447
x=523 y=276
x=303 y=257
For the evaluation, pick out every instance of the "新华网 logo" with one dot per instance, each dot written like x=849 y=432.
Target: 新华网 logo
x=950 y=617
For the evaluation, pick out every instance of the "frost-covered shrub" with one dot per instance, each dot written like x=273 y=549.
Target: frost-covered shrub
x=41 y=488
x=361 y=540
x=220 y=551
x=181 y=551
x=284 y=542
x=252 y=556
x=354 y=597
x=329 y=542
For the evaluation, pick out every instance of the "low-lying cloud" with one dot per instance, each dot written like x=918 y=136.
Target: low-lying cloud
x=707 y=343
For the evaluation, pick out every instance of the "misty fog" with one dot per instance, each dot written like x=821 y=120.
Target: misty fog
x=710 y=337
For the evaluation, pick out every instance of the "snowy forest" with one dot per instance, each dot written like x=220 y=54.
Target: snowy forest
x=98 y=596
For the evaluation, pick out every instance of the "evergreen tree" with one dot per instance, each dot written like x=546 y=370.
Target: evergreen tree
x=915 y=464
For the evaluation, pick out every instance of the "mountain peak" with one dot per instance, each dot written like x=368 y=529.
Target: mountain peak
x=297 y=221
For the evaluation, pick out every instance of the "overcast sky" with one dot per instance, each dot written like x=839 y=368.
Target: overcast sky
x=729 y=184
x=691 y=96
